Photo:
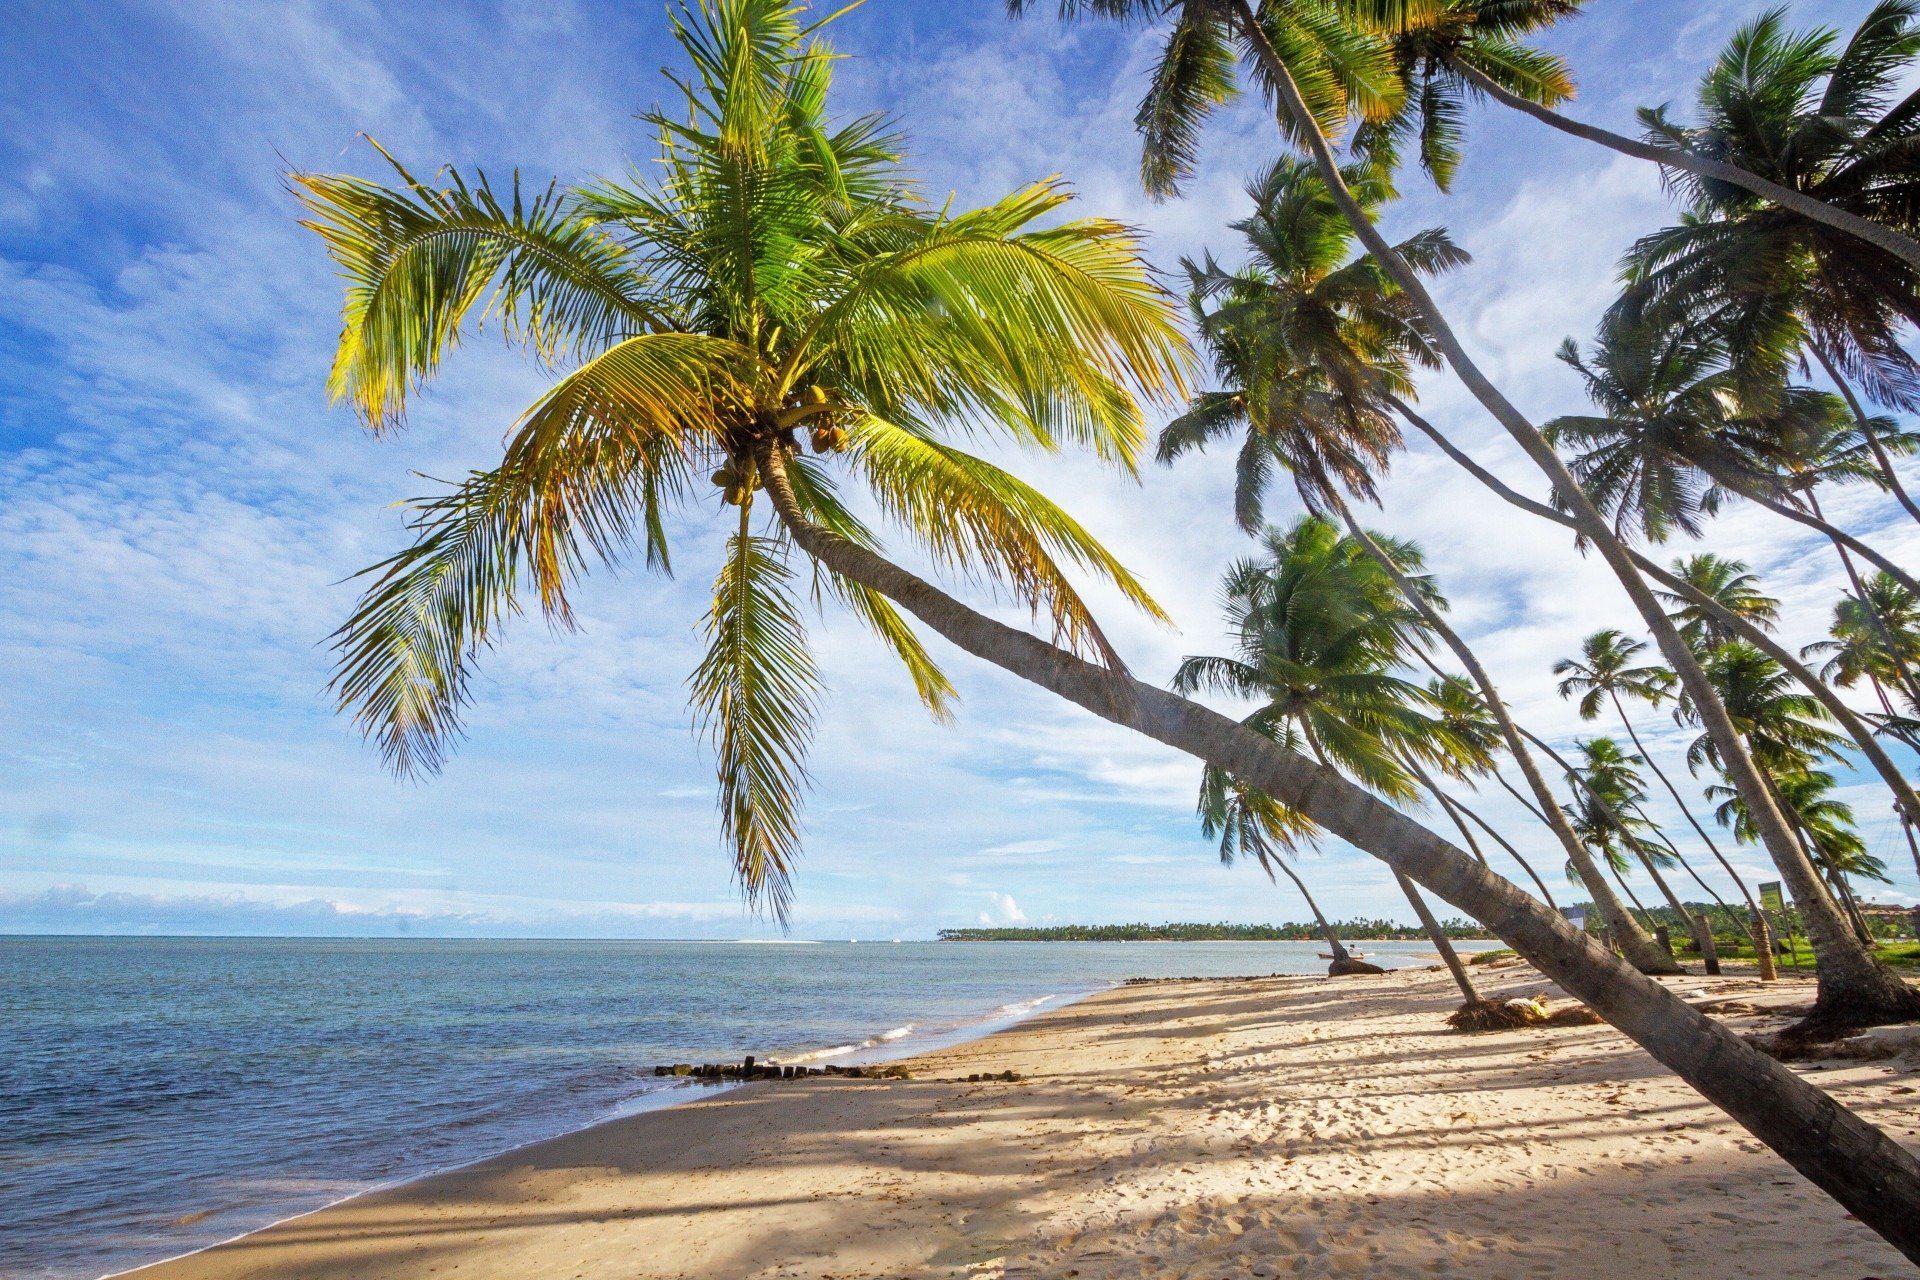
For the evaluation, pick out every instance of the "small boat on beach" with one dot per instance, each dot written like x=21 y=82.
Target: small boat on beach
x=1351 y=955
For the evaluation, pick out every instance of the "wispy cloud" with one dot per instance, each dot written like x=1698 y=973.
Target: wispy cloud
x=180 y=512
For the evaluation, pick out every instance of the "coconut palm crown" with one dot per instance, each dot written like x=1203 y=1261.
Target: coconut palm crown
x=777 y=283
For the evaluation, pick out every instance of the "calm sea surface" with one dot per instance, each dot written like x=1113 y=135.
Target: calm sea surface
x=160 y=1094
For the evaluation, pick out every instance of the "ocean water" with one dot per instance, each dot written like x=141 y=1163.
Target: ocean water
x=161 y=1094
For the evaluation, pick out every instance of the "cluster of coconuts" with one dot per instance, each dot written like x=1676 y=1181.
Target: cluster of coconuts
x=826 y=438
x=735 y=484
x=734 y=487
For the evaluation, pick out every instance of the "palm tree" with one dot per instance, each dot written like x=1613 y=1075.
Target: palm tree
x=1675 y=435
x=781 y=246
x=1305 y=333
x=1322 y=65
x=1822 y=121
x=1728 y=588
x=1704 y=620
x=1827 y=825
x=1312 y=345
x=1472 y=739
x=1875 y=636
x=1451 y=50
x=1317 y=630
x=1605 y=669
x=1607 y=771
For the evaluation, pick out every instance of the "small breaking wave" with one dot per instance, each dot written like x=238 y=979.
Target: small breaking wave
x=1019 y=1007
x=841 y=1050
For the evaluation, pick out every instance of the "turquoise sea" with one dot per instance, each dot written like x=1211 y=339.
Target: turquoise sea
x=161 y=1094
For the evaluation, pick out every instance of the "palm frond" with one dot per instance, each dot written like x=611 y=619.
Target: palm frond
x=755 y=693
x=976 y=519
x=419 y=260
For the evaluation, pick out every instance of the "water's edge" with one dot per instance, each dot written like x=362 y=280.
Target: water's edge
x=665 y=1097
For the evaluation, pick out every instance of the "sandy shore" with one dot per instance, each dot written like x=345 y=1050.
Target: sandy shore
x=1278 y=1127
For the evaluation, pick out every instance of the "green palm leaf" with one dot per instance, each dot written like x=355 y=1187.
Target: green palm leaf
x=754 y=694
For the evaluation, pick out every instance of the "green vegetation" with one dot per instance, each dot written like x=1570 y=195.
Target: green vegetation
x=1308 y=931
x=775 y=307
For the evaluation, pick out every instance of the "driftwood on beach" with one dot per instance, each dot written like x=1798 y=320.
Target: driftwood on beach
x=750 y=1069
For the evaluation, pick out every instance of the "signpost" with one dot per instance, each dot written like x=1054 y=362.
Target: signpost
x=1773 y=899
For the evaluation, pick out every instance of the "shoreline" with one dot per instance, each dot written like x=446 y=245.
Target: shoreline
x=885 y=1047
x=657 y=1098
x=1296 y=1124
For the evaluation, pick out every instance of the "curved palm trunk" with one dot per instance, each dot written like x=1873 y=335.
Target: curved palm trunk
x=1506 y=844
x=1880 y=456
x=1441 y=943
x=1674 y=791
x=1326 y=930
x=1905 y=798
x=1854 y=988
x=1881 y=237
x=1634 y=942
x=1901 y=671
x=1742 y=485
x=1871 y=1175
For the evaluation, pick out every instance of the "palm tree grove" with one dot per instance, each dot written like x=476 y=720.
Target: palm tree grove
x=769 y=338
x=776 y=317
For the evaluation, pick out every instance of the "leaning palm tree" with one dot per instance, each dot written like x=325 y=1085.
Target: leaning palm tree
x=1605 y=770
x=1323 y=65
x=782 y=285
x=1714 y=587
x=1824 y=121
x=1314 y=346
x=1704 y=619
x=1828 y=827
x=781 y=276
x=1606 y=668
x=1676 y=434
x=1451 y=51
x=1317 y=632
x=1875 y=636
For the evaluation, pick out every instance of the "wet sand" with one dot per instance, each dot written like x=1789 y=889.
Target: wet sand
x=1264 y=1128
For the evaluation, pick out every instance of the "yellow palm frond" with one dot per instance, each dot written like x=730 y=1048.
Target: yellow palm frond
x=755 y=693
x=976 y=519
x=419 y=261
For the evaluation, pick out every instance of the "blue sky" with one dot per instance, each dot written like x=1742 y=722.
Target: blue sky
x=179 y=506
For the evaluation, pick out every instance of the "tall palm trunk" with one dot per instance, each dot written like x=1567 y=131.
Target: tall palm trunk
x=1905 y=798
x=1871 y=1175
x=1881 y=237
x=1881 y=628
x=1734 y=482
x=1854 y=988
x=1504 y=843
x=1674 y=791
x=1441 y=942
x=1880 y=456
x=1326 y=930
x=1634 y=942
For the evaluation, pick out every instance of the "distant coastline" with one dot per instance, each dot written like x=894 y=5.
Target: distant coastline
x=1346 y=930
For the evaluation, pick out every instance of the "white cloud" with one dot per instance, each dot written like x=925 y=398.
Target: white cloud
x=1006 y=909
x=178 y=508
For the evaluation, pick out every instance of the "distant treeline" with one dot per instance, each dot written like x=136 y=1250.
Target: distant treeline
x=1356 y=930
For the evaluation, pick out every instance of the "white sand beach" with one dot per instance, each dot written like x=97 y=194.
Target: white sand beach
x=1265 y=1128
